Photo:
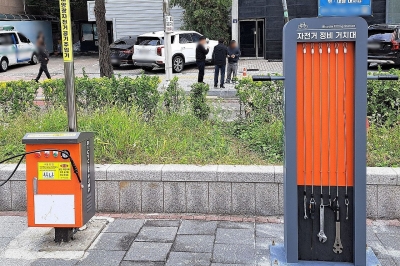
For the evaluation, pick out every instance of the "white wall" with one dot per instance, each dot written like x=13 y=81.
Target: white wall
x=135 y=17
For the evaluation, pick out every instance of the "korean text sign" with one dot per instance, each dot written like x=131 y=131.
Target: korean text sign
x=66 y=31
x=344 y=8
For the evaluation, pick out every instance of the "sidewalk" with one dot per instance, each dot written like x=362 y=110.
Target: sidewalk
x=161 y=239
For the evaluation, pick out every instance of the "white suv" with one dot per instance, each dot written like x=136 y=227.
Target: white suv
x=15 y=48
x=149 y=51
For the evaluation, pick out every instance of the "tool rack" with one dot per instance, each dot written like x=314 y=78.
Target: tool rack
x=325 y=66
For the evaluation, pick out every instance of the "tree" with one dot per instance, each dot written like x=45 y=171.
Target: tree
x=52 y=7
x=106 y=69
x=209 y=17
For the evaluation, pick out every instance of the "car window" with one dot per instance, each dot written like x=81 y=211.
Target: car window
x=150 y=41
x=185 y=38
x=172 y=39
x=196 y=37
x=6 y=39
x=22 y=38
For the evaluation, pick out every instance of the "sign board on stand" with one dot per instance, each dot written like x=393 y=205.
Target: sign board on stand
x=344 y=8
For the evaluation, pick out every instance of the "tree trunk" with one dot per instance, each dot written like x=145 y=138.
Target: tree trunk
x=106 y=69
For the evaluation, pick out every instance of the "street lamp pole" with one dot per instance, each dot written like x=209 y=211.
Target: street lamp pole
x=285 y=11
x=168 y=29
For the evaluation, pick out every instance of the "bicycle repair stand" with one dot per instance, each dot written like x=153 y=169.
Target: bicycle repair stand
x=325 y=66
x=60 y=193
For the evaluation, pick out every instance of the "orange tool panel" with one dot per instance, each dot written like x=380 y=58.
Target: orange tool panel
x=55 y=177
x=333 y=78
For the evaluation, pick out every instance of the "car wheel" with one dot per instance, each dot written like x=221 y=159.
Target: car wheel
x=3 y=65
x=178 y=63
x=34 y=59
x=147 y=68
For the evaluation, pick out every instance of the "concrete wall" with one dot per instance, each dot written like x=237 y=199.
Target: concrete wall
x=11 y=6
x=272 y=12
x=244 y=190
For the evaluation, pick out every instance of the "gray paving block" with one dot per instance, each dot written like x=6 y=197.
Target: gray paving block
x=263 y=244
x=189 y=227
x=157 y=234
x=220 y=198
x=235 y=225
x=246 y=173
x=189 y=173
x=243 y=198
x=388 y=206
x=231 y=253
x=281 y=199
x=194 y=243
x=102 y=258
x=390 y=241
x=120 y=172
x=379 y=250
x=5 y=196
x=18 y=195
x=371 y=235
x=388 y=262
x=54 y=262
x=174 y=197
x=115 y=241
x=163 y=223
x=274 y=231
x=4 y=241
x=263 y=260
x=197 y=197
x=12 y=229
x=372 y=201
x=7 y=169
x=188 y=259
x=278 y=174
x=397 y=170
x=124 y=226
x=152 y=197
x=148 y=252
x=101 y=171
x=133 y=263
x=235 y=236
x=130 y=196
x=14 y=262
x=381 y=176
x=107 y=196
x=267 y=199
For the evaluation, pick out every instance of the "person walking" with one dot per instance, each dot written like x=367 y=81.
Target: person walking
x=43 y=57
x=233 y=59
x=201 y=54
x=219 y=59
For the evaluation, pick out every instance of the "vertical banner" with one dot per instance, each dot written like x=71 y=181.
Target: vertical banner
x=66 y=31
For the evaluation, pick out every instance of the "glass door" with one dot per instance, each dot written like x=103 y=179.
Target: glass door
x=252 y=38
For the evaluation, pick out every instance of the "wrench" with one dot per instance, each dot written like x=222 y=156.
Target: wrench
x=337 y=247
x=321 y=235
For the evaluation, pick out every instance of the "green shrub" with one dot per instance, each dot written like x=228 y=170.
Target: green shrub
x=261 y=100
x=174 y=97
x=17 y=97
x=384 y=100
x=198 y=99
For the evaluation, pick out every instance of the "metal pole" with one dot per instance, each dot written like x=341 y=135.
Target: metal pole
x=68 y=55
x=285 y=11
x=167 y=43
x=235 y=20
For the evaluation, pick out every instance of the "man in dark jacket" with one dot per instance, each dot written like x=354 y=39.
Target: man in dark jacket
x=233 y=59
x=201 y=53
x=43 y=57
x=219 y=59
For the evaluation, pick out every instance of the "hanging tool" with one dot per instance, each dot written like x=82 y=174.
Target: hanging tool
x=329 y=124
x=337 y=246
x=312 y=200
x=346 y=200
x=321 y=235
x=305 y=130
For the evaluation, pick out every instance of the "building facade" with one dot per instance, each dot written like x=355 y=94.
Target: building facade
x=12 y=6
x=259 y=23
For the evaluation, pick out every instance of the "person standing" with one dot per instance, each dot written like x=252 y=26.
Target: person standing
x=219 y=59
x=43 y=57
x=233 y=59
x=201 y=54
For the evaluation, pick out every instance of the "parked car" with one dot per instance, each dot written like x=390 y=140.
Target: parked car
x=149 y=50
x=122 y=51
x=384 y=44
x=15 y=49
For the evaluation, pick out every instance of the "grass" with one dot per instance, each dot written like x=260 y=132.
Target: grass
x=384 y=146
x=123 y=137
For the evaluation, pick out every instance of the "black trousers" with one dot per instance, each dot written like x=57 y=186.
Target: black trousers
x=43 y=68
x=201 y=65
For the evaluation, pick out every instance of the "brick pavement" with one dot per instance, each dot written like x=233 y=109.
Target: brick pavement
x=186 y=239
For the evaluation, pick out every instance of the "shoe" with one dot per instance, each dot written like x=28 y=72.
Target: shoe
x=37 y=81
x=228 y=81
x=215 y=86
x=222 y=87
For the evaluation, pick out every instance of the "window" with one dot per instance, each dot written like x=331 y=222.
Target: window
x=22 y=38
x=392 y=12
x=6 y=39
x=196 y=37
x=185 y=38
x=150 y=41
